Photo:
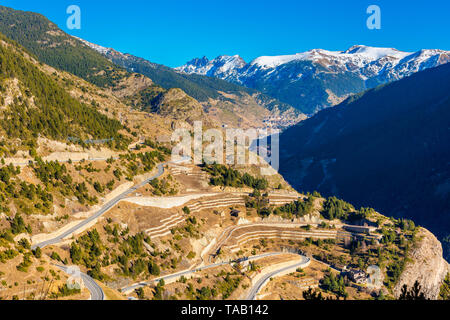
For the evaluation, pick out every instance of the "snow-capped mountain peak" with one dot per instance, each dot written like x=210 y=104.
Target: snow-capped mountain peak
x=359 y=55
x=96 y=47
x=311 y=80
x=374 y=53
x=223 y=65
x=336 y=74
x=199 y=63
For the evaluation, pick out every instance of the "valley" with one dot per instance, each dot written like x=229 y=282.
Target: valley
x=98 y=203
x=353 y=149
x=316 y=79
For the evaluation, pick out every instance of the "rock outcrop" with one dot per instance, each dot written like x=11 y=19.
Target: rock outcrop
x=425 y=264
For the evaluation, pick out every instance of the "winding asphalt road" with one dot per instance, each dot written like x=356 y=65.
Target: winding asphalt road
x=105 y=208
x=188 y=272
x=261 y=282
x=95 y=290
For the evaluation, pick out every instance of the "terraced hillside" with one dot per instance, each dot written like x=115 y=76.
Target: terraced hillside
x=232 y=240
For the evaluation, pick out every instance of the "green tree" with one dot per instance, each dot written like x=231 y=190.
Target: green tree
x=415 y=293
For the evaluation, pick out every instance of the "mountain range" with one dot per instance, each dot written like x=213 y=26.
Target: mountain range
x=86 y=177
x=34 y=104
x=221 y=99
x=386 y=148
x=316 y=79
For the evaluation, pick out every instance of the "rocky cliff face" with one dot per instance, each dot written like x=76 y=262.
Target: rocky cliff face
x=426 y=266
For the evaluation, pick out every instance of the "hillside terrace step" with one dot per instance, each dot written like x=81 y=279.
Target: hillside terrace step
x=215 y=200
x=305 y=233
x=282 y=237
x=175 y=219
x=170 y=222
x=285 y=233
x=169 y=218
x=215 y=203
x=201 y=205
x=217 y=206
x=258 y=235
x=159 y=235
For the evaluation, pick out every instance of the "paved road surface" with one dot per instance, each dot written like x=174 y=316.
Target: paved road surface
x=95 y=290
x=261 y=282
x=188 y=272
x=230 y=230
x=104 y=209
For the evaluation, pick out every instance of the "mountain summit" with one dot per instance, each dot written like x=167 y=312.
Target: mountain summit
x=318 y=78
x=221 y=67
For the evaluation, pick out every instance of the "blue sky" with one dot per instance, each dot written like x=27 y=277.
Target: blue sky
x=172 y=32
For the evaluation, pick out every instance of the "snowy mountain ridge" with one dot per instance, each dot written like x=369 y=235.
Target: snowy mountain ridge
x=368 y=59
x=318 y=78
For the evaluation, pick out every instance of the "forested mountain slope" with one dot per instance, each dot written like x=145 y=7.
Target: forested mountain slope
x=209 y=91
x=386 y=148
x=33 y=104
x=54 y=47
x=238 y=107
